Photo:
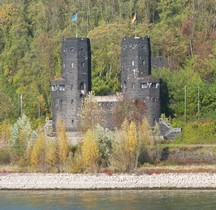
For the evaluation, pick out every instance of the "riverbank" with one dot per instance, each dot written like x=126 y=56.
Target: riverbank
x=65 y=181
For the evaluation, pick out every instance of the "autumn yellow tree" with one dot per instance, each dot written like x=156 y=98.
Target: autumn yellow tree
x=90 y=113
x=132 y=146
x=37 y=155
x=5 y=132
x=63 y=147
x=90 y=152
x=51 y=155
x=145 y=133
x=118 y=159
x=125 y=147
x=149 y=140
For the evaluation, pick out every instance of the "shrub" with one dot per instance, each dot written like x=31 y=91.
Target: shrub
x=21 y=138
x=5 y=155
x=104 y=138
x=198 y=132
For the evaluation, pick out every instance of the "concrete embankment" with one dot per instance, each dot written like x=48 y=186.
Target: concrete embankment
x=27 y=181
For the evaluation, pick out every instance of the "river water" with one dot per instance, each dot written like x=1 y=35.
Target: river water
x=113 y=200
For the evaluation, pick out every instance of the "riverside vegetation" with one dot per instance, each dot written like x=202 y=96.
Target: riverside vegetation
x=182 y=33
x=132 y=144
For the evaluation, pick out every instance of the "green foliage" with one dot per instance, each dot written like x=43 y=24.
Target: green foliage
x=21 y=138
x=104 y=138
x=105 y=56
x=5 y=132
x=199 y=132
x=5 y=156
x=6 y=105
x=181 y=31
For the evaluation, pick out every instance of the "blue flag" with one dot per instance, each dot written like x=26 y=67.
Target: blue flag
x=74 y=17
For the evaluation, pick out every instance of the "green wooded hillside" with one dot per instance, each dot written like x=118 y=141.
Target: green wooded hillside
x=183 y=32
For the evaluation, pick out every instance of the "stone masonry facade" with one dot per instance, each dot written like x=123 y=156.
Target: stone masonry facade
x=75 y=83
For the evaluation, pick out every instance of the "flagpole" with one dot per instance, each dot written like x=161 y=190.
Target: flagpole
x=76 y=30
x=198 y=105
x=185 y=103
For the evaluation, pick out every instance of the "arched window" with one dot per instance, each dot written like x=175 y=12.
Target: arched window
x=83 y=88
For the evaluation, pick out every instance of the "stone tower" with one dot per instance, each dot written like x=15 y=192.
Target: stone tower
x=136 y=78
x=75 y=83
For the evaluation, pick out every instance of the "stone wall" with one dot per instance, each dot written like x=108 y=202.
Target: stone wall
x=68 y=91
x=137 y=81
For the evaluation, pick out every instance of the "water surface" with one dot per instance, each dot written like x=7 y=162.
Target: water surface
x=119 y=199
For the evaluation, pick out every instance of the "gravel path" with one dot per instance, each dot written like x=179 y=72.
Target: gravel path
x=103 y=181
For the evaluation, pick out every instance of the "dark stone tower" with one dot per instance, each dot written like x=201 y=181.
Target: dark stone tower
x=137 y=81
x=68 y=91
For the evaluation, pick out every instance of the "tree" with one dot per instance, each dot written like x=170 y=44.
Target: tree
x=6 y=105
x=63 y=147
x=37 y=157
x=132 y=146
x=125 y=147
x=104 y=138
x=51 y=155
x=90 y=152
x=106 y=49
x=21 y=138
x=132 y=110
x=90 y=113
x=145 y=133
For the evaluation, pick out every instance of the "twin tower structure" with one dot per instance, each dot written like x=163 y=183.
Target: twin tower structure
x=75 y=83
